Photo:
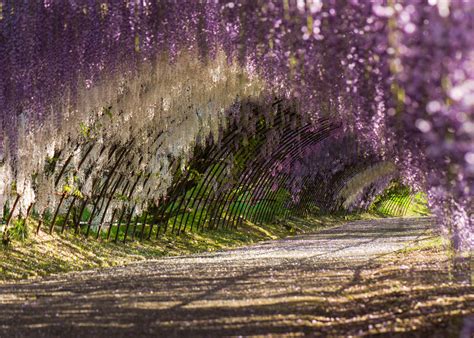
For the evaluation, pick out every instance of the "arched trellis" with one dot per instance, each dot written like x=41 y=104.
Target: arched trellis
x=82 y=58
x=222 y=202
x=226 y=182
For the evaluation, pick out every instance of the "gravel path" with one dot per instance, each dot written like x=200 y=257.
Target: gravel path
x=274 y=287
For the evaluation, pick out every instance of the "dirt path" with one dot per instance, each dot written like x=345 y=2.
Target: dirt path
x=330 y=283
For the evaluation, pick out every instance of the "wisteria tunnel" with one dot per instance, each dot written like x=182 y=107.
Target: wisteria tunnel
x=123 y=120
x=240 y=175
x=331 y=140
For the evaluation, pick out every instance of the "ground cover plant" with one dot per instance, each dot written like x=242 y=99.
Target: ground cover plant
x=28 y=255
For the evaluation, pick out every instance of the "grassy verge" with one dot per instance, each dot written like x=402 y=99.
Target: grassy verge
x=44 y=254
x=418 y=291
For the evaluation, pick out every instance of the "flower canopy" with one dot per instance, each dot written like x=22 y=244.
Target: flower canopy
x=86 y=86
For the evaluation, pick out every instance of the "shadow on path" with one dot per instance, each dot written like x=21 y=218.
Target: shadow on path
x=340 y=281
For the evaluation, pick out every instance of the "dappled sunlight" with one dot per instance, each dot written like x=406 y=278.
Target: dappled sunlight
x=44 y=254
x=233 y=168
x=244 y=291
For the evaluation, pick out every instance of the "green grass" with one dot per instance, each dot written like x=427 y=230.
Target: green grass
x=431 y=243
x=399 y=200
x=29 y=255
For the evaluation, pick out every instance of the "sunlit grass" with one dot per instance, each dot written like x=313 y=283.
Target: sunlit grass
x=40 y=255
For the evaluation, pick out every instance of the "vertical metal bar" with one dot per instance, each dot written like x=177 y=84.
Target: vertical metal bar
x=153 y=222
x=78 y=221
x=30 y=207
x=56 y=214
x=135 y=227
x=143 y=225
x=68 y=213
x=111 y=223
x=56 y=182
x=119 y=223
x=10 y=216
x=40 y=221
x=128 y=224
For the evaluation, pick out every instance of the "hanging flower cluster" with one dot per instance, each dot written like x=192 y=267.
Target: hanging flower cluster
x=83 y=78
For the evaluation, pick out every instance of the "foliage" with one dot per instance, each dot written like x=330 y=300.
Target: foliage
x=18 y=230
x=399 y=200
x=146 y=82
